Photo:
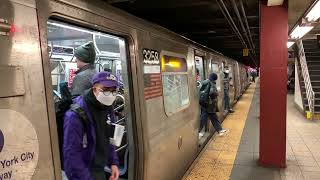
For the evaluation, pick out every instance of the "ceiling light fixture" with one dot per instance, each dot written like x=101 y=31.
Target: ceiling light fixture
x=299 y=31
x=275 y=2
x=289 y=44
x=314 y=13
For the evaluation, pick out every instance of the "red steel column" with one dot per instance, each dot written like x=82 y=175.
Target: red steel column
x=273 y=90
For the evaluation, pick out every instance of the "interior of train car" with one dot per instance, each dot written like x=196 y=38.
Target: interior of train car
x=111 y=54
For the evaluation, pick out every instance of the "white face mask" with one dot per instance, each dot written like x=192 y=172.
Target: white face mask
x=106 y=99
x=227 y=71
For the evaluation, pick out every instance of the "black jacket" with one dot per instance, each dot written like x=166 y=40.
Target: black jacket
x=212 y=105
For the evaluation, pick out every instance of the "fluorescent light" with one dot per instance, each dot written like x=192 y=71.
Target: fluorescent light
x=289 y=44
x=81 y=30
x=300 y=31
x=314 y=13
x=275 y=2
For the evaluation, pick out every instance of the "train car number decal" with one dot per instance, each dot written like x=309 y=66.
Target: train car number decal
x=152 y=74
x=151 y=62
x=150 y=57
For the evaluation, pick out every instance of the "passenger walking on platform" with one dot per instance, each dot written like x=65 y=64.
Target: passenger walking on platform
x=226 y=83
x=85 y=58
x=86 y=148
x=253 y=74
x=209 y=104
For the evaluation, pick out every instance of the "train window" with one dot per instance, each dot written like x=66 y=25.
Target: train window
x=231 y=75
x=215 y=69
x=175 y=83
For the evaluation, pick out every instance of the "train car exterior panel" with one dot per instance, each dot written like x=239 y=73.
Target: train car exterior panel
x=166 y=130
x=162 y=145
x=22 y=49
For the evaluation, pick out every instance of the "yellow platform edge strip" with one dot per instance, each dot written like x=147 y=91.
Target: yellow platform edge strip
x=216 y=161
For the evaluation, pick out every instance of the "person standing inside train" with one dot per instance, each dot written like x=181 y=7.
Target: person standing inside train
x=87 y=149
x=85 y=58
x=209 y=107
x=226 y=85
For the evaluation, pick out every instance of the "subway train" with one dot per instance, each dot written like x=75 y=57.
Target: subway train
x=159 y=71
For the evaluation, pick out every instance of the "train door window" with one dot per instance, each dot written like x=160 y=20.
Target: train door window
x=175 y=83
x=231 y=75
x=215 y=69
x=63 y=39
x=200 y=74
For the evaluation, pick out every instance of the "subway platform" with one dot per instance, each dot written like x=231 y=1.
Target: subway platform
x=235 y=155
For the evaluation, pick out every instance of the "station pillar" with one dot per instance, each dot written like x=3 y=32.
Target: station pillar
x=273 y=90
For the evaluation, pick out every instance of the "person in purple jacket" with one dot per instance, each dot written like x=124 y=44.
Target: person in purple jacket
x=87 y=153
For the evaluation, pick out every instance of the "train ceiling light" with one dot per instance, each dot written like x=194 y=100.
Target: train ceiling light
x=65 y=26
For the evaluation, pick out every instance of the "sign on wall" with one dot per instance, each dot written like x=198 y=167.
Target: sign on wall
x=245 y=52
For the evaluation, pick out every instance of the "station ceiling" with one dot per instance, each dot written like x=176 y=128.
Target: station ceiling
x=297 y=8
x=206 y=22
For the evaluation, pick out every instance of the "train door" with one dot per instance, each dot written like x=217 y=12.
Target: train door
x=238 y=80
x=215 y=68
x=111 y=55
x=232 y=89
x=200 y=76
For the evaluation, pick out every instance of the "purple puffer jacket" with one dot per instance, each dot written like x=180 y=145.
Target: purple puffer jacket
x=76 y=158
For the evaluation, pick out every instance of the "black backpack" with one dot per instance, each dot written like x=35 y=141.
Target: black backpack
x=61 y=107
x=204 y=94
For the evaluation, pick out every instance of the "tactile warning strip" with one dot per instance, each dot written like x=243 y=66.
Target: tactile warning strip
x=218 y=157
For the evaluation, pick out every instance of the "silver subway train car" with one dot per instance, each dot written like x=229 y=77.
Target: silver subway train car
x=159 y=71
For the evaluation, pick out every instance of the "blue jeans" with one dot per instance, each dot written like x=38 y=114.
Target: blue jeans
x=226 y=100
x=214 y=120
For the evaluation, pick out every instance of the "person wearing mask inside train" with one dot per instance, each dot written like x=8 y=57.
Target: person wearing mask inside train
x=209 y=107
x=87 y=150
x=226 y=84
x=85 y=58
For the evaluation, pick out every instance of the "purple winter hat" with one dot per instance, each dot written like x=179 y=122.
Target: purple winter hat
x=105 y=78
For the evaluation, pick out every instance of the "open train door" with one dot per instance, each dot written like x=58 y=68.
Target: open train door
x=65 y=26
x=200 y=67
x=232 y=89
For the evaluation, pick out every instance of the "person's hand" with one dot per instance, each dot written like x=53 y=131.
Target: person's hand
x=114 y=173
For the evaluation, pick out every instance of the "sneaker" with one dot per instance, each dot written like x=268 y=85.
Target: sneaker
x=231 y=111
x=223 y=132
x=201 y=135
